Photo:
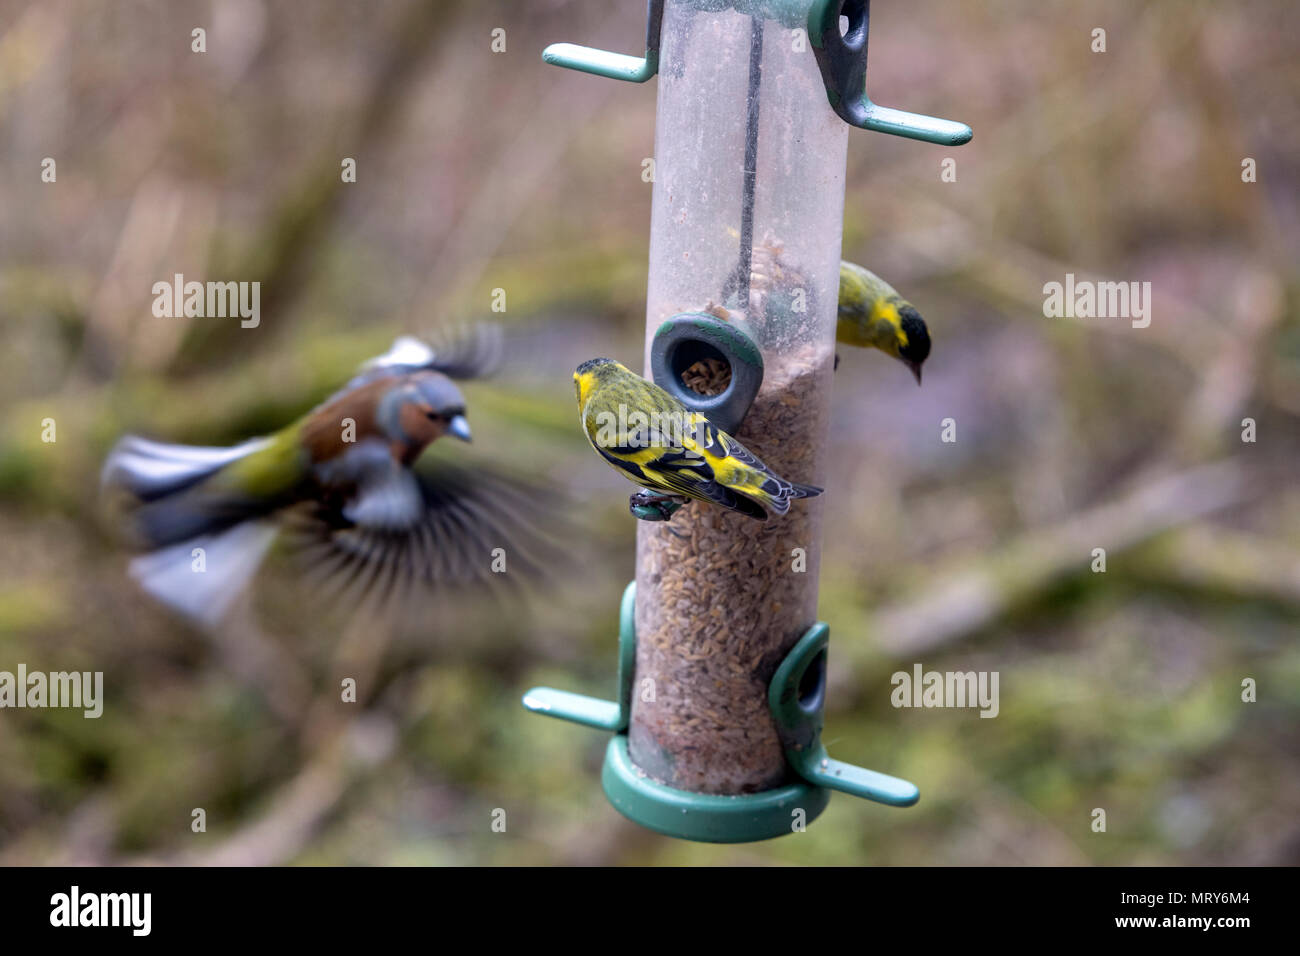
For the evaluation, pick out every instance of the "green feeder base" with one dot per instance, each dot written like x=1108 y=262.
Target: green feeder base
x=796 y=698
x=706 y=817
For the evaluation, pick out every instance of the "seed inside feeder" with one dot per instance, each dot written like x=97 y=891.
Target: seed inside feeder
x=709 y=376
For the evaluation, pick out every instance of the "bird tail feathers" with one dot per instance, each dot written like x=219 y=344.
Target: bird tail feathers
x=803 y=491
x=170 y=500
x=777 y=493
x=151 y=469
x=200 y=578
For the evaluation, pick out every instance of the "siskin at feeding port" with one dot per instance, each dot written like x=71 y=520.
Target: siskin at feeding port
x=722 y=662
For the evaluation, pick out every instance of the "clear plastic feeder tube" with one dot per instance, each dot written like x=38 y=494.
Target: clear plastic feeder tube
x=746 y=225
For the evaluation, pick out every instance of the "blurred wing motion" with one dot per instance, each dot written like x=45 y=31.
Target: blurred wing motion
x=462 y=353
x=206 y=517
x=435 y=526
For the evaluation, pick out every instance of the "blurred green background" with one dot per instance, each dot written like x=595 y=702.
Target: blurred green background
x=480 y=171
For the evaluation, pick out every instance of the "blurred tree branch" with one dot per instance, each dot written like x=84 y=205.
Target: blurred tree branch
x=969 y=599
x=297 y=229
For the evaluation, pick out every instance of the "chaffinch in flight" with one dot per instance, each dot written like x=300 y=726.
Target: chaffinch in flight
x=341 y=481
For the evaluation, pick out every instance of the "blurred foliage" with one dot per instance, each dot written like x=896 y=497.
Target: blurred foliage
x=481 y=170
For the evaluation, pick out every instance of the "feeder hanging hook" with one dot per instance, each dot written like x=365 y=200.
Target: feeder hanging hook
x=613 y=66
x=843 y=62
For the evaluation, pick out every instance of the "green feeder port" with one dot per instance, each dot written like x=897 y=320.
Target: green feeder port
x=719 y=633
x=702 y=342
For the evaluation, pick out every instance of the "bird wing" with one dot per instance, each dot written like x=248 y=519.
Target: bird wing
x=436 y=525
x=653 y=459
x=473 y=353
x=740 y=471
x=461 y=353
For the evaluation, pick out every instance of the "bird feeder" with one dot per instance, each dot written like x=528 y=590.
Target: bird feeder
x=722 y=665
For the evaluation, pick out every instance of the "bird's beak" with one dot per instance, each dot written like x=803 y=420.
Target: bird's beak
x=916 y=370
x=459 y=427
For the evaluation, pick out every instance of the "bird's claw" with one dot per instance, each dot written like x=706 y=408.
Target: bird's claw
x=652 y=506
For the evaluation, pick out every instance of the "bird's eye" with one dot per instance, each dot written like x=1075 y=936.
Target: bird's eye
x=433 y=416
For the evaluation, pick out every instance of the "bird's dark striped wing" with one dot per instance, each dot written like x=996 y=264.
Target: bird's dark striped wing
x=678 y=470
x=779 y=490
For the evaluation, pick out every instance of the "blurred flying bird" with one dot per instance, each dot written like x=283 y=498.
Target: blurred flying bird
x=341 y=480
x=872 y=314
x=659 y=443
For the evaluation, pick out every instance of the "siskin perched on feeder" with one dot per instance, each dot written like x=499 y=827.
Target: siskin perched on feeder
x=872 y=314
x=341 y=480
x=678 y=454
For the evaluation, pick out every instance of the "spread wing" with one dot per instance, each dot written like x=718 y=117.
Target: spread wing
x=475 y=352
x=438 y=525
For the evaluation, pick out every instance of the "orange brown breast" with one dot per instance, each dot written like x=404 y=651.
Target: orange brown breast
x=323 y=434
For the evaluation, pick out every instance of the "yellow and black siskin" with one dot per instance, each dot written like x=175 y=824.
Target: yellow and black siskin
x=678 y=454
x=873 y=315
